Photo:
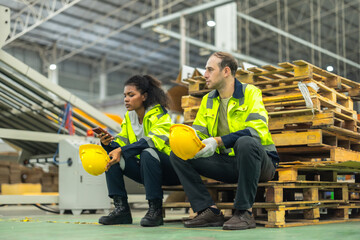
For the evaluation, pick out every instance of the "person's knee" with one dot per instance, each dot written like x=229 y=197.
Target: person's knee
x=174 y=158
x=149 y=156
x=246 y=143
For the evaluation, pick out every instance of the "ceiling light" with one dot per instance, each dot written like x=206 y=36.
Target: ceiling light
x=52 y=66
x=204 y=52
x=211 y=23
x=330 y=68
x=163 y=38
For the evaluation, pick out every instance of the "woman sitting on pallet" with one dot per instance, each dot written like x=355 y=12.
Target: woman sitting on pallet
x=140 y=151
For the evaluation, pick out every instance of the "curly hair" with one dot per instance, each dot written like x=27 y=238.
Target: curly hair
x=151 y=86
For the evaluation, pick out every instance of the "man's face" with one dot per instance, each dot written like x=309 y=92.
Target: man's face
x=213 y=75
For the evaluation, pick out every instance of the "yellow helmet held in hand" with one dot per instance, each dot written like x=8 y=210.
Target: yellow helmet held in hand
x=94 y=158
x=183 y=141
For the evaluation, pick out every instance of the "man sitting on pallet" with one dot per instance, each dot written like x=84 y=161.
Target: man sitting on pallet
x=232 y=121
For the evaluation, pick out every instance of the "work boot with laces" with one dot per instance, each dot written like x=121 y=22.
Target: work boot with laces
x=120 y=215
x=154 y=216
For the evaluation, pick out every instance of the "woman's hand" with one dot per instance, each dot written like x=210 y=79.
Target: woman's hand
x=105 y=139
x=115 y=156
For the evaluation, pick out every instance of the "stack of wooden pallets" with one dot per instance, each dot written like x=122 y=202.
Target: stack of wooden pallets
x=316 y=144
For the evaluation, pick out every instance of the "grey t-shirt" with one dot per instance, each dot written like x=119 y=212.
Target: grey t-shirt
x=223 y=126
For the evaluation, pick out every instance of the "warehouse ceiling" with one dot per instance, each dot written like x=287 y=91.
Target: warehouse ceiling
x=325 y=33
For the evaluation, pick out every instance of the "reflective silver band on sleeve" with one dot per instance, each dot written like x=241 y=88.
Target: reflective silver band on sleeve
x=149 y=141
x=122 y=163
x=255 y=116
x=162 y=137
x=152 y=153
x=201 y=129
x=123 y=139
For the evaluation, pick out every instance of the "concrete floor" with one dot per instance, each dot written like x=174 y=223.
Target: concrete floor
x=28 y=222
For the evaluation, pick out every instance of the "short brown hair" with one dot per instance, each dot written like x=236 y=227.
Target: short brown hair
x=227 y=60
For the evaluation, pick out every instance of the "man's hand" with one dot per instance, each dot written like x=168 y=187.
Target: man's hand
x=114 y=157
x=209 y=149
x=105 y=139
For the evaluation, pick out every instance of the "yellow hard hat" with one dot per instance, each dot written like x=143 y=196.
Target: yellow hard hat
x=94 y=158
x=183 y=141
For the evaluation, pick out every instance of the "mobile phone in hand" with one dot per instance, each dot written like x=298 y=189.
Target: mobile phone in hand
x=100 y=130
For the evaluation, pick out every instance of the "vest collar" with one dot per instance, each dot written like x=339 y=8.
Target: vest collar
x=238 y=91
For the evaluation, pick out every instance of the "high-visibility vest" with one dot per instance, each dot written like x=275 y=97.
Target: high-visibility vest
x=245 y=110
x=156 y=125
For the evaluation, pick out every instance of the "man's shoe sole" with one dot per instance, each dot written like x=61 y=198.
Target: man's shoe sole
x=205 y=225
x=237 y=228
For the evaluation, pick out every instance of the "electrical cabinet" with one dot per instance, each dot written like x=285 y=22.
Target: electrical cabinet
x=78 y=190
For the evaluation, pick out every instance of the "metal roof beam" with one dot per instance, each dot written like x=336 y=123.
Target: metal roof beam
x=209 y=46
x=37 y=15
x=297 y=39
x=117 y=31
x=188 y=11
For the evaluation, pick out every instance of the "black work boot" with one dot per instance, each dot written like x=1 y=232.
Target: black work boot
x=154 y=216
x=120 y=215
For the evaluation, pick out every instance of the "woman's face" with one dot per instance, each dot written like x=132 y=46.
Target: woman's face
x=134 y=100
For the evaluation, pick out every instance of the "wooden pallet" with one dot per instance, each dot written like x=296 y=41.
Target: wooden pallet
x=307 y=153
x=306 y=119
x=354 y=191
x=286 y=86
x=295 y=101
x=197 y=84
x=329 y=136
x=190 y=101
x=292 y=216
x=316 y=171
x=276 y=202
x=276 y=193
x=301 y=69
x=190 y=114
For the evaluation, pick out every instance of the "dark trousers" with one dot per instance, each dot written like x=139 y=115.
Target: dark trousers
x=250 y=165
x=153 y=169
